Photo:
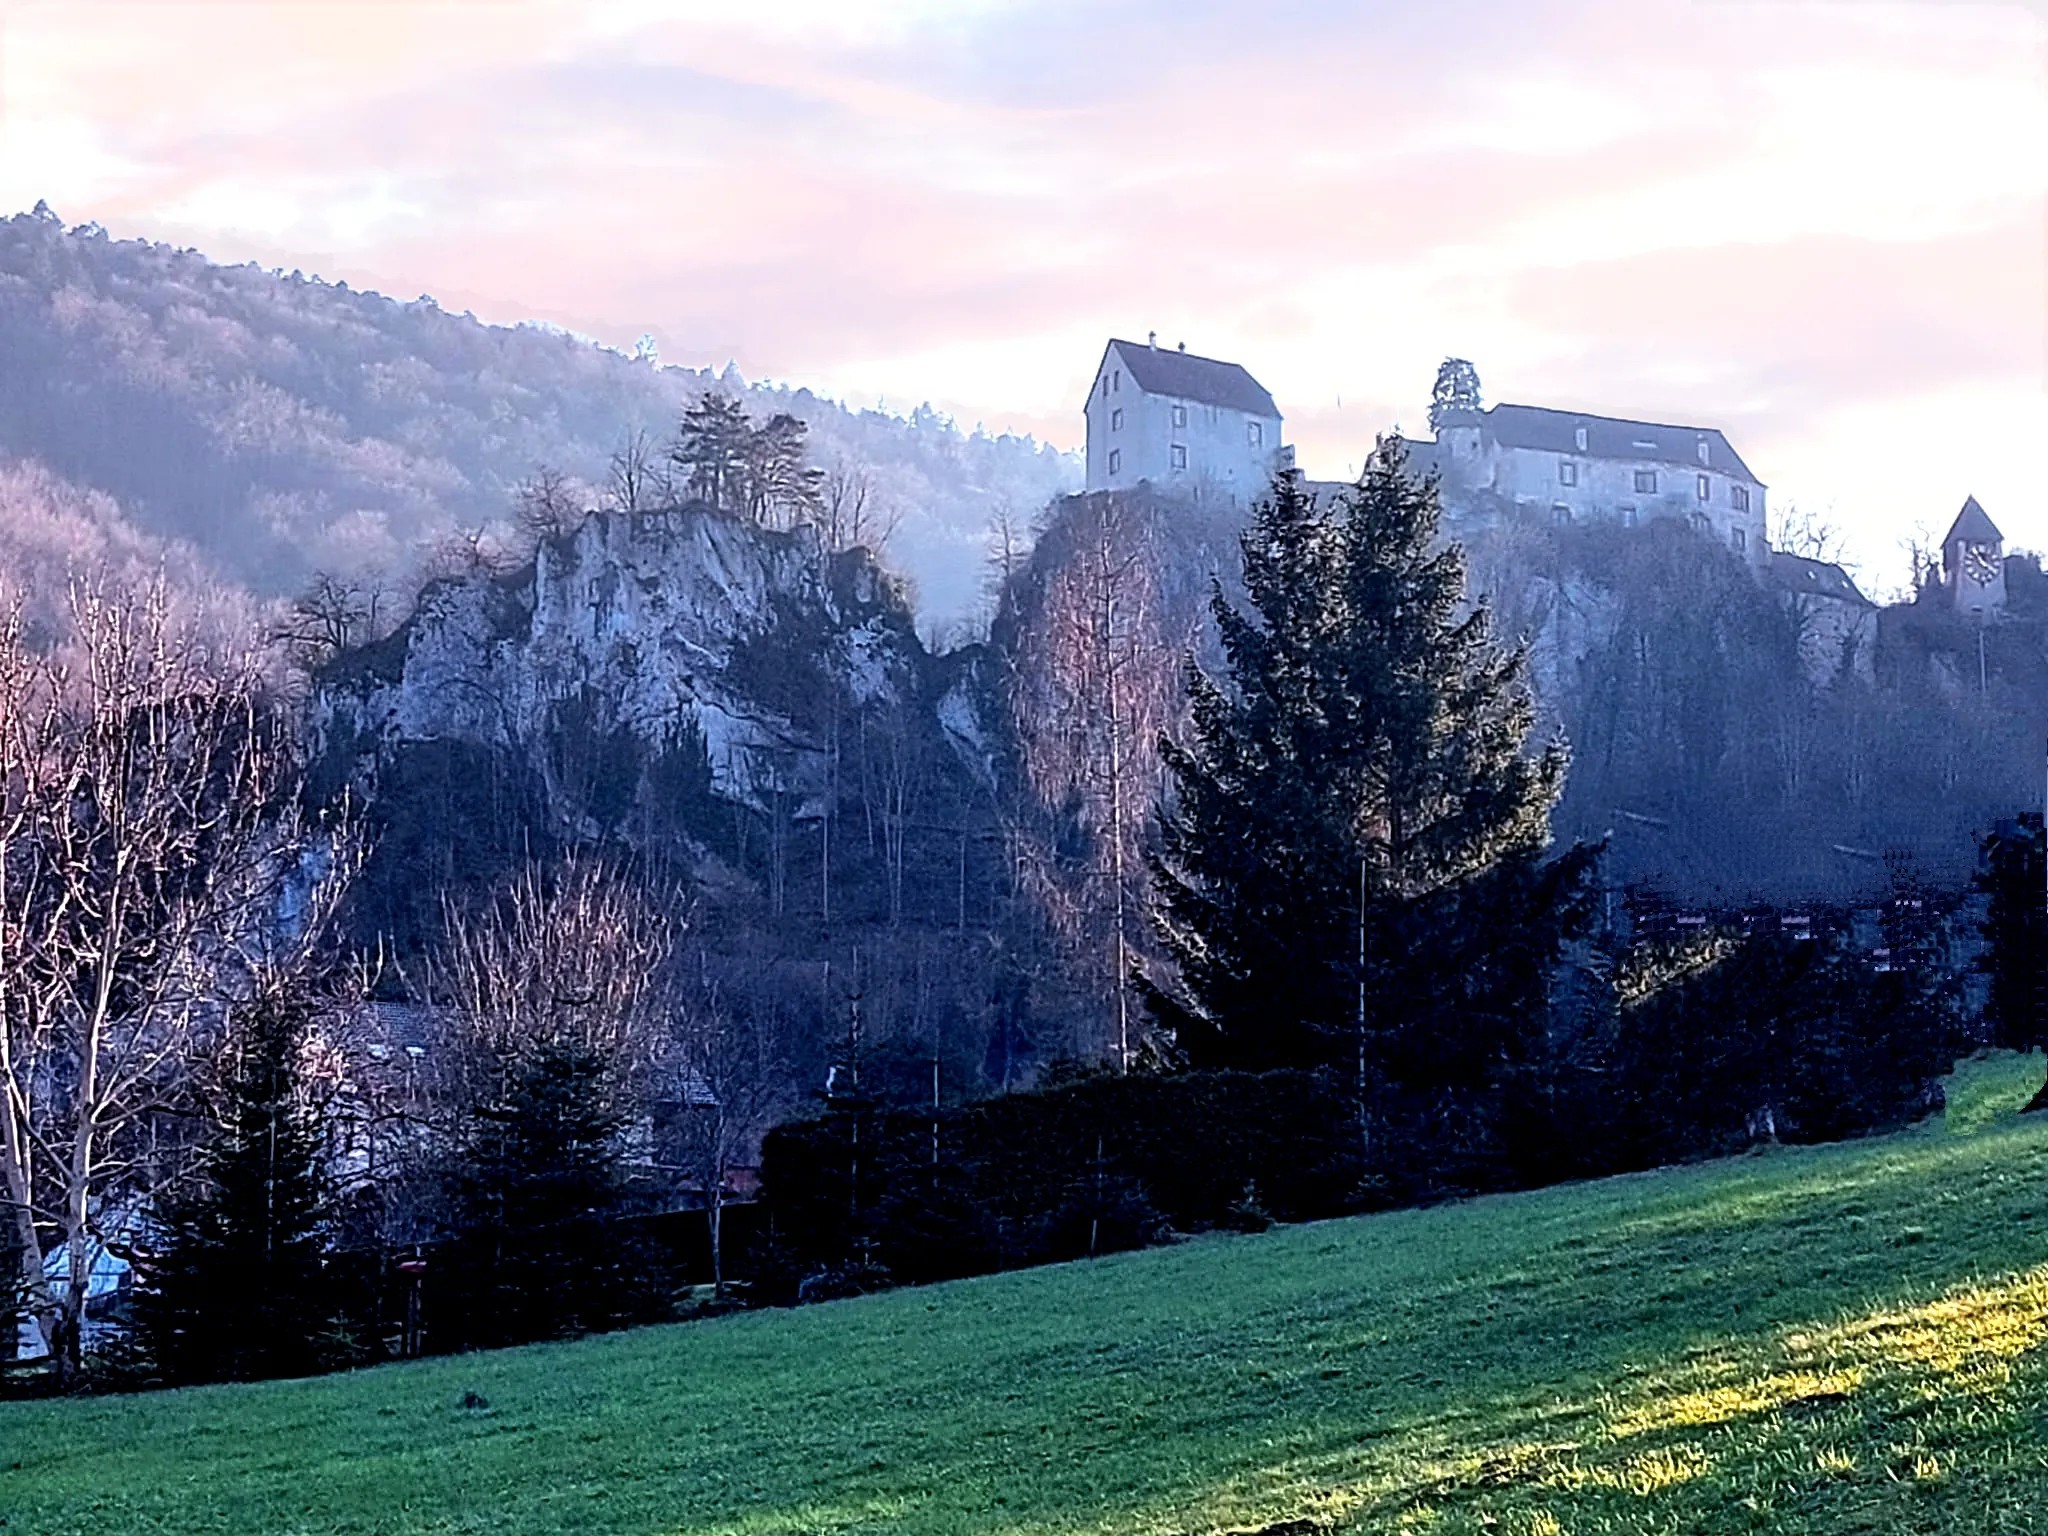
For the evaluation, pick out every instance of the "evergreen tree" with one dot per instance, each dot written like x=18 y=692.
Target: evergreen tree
x=240 y=1290
x=1455 y=394
x=2016 y=933
x=712 y=449
x=1349 y=870
x=780 y=484
x=538 y=1251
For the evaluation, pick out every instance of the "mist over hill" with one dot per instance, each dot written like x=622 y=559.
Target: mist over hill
x=276 y=425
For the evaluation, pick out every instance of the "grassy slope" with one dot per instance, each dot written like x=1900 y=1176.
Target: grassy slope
x=1834 y=1339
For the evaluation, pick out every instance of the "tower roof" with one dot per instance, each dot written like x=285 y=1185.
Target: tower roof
x=1972 y=526
x=1184 y=376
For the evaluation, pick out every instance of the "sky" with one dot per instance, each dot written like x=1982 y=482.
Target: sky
x=1821 y=225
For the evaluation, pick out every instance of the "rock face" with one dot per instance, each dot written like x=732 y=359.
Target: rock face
x=678 y=681
x=686 y=620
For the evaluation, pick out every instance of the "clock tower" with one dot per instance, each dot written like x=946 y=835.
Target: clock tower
x=1973 y=563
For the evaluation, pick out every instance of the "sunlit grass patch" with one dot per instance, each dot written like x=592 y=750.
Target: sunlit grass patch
x=1991 y=1086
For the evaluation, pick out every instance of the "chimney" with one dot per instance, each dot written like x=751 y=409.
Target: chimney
x=1183 y=346
x=1152 y=340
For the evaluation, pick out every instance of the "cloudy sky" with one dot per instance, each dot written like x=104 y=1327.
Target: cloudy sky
x=1820 y=224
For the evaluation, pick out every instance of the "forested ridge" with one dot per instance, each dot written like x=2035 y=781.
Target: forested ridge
x=279 y=425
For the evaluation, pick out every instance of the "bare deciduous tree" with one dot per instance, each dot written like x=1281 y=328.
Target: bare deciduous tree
x=852 y=515
x=546 y=504
x=574 y=955
x=465 y=553
x=638 y=478
x=1088 y=715
x=333 y=614
x=154 y=868
x=733 y=1075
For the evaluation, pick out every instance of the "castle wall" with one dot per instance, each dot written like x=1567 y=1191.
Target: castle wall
x=1606 y=488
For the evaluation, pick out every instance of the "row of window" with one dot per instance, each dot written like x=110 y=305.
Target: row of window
x=1646 y=484
x=1177 y=458
x=1254 y=436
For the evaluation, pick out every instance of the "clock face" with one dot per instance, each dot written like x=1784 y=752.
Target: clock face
x=1980 y=564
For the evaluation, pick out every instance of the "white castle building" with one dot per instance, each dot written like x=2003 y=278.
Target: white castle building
x=1575 y=466
x=1176 y=421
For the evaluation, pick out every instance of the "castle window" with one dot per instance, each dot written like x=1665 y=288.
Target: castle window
x=1105 y=386
x=1255 y=433
x=1646 y=482
x=1560 y=513
x=1116 y=460
x=1699 y=523
x=1628 y=517
x=1116 y=420
x=1739 y=539
x=1180 y=415
x=1706 y=488
x=1567 y=472
x=1180 y=455
x=1738 y=497
x=1579 y=437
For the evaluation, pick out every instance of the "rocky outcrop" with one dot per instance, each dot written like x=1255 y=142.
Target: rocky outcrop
x=681 y=685
x=658 y=625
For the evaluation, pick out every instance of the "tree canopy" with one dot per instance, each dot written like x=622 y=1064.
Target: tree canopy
x=1350 y=867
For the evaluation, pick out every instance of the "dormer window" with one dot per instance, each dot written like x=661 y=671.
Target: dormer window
x=1704 y=459
x=1579 y=437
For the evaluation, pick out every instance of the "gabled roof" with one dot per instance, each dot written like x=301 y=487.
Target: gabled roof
x=1613 y=437
x=1972 y=526
x=1184 y=376
x=1815 y=578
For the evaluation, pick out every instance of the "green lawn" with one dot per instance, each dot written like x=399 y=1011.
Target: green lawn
x=1833 y=1339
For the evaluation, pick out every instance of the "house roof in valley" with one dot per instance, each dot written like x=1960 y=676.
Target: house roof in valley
x=1973 y=525
x=1184 y=376
x=1612 y=437
x=1815 y=578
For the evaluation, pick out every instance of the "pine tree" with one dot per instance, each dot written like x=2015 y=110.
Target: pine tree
x=1349 y=871
x=241 y=1291
x=537 y=1191
x=711 y=451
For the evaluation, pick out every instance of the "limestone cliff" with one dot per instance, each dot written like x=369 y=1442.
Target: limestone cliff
x=679 y=682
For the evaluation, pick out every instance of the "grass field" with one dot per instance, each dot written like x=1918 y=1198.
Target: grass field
x=1829 y=1340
